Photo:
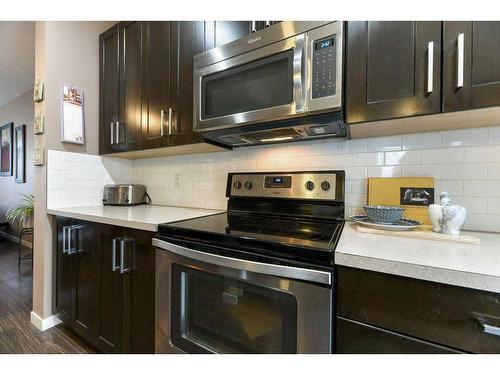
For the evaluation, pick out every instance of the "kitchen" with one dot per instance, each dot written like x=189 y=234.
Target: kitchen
x=223 y=208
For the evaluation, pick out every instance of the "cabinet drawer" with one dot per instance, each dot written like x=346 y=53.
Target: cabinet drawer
x=358 y=338
x=429 y=311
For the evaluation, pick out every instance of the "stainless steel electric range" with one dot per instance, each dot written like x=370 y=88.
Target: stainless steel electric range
x=257 y=278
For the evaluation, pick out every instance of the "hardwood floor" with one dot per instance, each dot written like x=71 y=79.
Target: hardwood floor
x=17 y=334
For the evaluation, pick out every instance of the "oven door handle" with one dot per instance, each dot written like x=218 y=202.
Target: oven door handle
x=316 y=276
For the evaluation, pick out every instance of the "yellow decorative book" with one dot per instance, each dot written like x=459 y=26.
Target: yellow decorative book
x=415 y=194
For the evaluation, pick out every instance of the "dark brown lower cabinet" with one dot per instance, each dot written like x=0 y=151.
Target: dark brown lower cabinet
x=399 y=314
x=105 y=286
x=358 y=338
x=75 y=264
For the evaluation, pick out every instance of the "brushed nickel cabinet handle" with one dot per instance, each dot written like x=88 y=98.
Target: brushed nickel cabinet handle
x=430 y=67
x=114 y=267
x=162 y=123
x=65 y=249
x=460 y=60
x=254 y=28
x=170 y=121
x=123 y=247
x=112 y=133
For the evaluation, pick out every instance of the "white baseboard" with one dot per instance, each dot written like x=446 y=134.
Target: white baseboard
x=44 y=324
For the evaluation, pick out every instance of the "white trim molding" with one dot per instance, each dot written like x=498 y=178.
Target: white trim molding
x=44 y=324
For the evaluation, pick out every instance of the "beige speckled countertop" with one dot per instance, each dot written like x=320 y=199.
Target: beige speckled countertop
x=144 y=217
x=471 y=266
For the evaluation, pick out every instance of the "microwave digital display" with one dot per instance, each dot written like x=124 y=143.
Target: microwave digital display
x=325 y=43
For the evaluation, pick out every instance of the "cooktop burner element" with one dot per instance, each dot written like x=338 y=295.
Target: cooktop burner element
x=295 y=216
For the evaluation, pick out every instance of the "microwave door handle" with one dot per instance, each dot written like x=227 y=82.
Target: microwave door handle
x=317 y=276
x=299 y=73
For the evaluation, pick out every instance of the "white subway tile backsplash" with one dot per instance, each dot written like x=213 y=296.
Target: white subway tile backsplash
x=464 y=172
x=392 y=171
x=452 y=187
x=366 y=159
x=465 y=137
x=494 y=135
x=393 y=143
x=422 y=170
x=421 y=141
x=403 y=157
x=478 y=188
x=482 y=154
x=443 y=156
x=494 y=206
x=471 y=174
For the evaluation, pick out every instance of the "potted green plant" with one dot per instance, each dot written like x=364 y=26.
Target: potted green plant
x=23 y=212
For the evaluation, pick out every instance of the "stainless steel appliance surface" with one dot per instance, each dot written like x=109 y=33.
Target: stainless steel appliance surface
x=283 y=83
x=257 y=278
x=125 y=195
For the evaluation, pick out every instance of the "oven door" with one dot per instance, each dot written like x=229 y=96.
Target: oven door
x=265 y=84
x=208 y=303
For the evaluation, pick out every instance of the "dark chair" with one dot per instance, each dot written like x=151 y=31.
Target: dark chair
x=3 y=228
x=25 y=232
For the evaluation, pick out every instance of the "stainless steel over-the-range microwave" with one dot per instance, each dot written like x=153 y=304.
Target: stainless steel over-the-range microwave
x=283 y=83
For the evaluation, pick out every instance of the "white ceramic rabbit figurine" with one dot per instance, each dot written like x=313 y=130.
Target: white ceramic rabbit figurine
x=447 y=218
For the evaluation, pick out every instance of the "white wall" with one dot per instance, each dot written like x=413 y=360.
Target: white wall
x=20 y=111
x=466 y=163
x=65 y=52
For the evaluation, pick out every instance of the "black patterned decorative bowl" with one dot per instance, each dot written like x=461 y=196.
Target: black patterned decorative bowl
x=384 y=214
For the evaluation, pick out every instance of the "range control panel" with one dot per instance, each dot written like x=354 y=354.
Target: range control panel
x=292 y=185
x=324 y=67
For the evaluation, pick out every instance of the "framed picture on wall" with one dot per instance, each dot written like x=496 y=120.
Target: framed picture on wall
x=20 y=135
x=6 y=138
x=73 y=123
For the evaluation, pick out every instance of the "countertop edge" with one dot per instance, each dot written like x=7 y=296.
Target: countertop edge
x=105 y=220
x=458 y=278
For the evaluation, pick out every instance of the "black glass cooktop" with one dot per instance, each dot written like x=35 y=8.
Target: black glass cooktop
x=303 y=239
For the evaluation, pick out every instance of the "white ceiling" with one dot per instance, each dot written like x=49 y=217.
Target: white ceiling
x=17 y=59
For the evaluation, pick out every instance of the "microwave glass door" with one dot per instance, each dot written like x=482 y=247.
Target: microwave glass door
x=263 y=83
x=213 y=313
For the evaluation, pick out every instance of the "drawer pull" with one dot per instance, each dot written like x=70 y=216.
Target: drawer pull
x=487 y=327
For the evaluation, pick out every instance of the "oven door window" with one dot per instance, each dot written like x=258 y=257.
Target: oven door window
x=211 y=313
x=260 y=84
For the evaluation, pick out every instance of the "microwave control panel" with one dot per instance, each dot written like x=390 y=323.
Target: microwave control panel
x=324 y=67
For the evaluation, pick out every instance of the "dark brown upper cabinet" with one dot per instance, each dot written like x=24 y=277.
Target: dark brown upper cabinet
x=471 y=77
x=218 y=33
x=109 y=89
x=156 y=84
x=120 y=87
x=393 y=69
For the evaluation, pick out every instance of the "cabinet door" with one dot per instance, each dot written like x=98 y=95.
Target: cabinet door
x=64 y=273
x=139 y=292
x=82 y=251
x=186 y=37
x=108 y=289
x=358 y=338
x=156 y=84
x=108 y=89
x=393 y=70
x=471 y=76
x=218 y=33
x=130 y=86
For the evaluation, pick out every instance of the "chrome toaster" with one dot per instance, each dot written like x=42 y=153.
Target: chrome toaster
x=125 y=195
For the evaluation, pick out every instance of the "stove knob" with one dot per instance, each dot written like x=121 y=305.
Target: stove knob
x=248 y=184
x=325 y=185
x=237 y=184
x=310 y=185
